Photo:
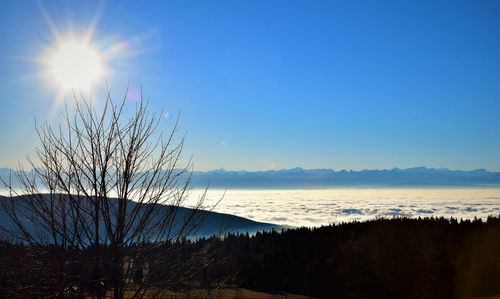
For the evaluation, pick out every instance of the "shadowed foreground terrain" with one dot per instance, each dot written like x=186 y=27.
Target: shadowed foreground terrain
x=384 y=258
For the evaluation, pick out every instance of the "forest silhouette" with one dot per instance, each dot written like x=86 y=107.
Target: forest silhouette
x=384 y=258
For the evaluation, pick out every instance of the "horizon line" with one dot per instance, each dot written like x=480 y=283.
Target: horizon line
x=332 y=169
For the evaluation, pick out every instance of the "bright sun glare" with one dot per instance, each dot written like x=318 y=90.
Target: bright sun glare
x=75 y=65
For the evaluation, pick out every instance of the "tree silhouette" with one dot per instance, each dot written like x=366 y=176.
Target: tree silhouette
x=103 y=199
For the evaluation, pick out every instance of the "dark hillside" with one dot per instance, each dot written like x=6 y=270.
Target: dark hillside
x=213 y=222
x=396 y=258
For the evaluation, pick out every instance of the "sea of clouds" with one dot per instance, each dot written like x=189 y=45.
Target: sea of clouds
x=321 y=207
x=316 y=207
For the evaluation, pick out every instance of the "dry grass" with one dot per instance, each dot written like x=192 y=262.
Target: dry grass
x=228 y=293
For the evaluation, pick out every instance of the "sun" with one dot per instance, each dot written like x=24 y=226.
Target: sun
x=74 y=65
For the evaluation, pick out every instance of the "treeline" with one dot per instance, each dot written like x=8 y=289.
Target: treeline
x=384 y=258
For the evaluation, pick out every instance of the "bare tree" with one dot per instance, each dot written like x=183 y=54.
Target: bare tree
x=104 y=201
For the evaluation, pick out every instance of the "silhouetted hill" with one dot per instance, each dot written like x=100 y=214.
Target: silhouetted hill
x=213 y=222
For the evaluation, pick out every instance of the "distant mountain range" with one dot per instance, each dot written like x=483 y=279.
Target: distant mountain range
x=324 y=178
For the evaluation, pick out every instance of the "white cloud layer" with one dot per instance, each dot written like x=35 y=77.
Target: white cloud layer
x=318 y=207
x=321 y=207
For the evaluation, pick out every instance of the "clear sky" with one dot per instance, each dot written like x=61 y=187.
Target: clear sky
x=277 y=84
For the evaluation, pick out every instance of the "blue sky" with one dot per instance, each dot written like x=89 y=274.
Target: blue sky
x=279 y=84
